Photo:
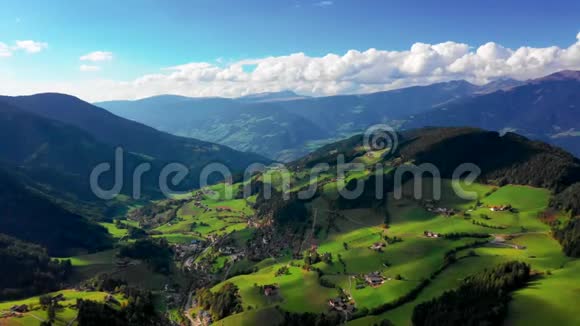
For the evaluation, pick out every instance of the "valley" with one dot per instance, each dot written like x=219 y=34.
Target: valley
x=359 y=263
x=289 y=163
x=284 y=127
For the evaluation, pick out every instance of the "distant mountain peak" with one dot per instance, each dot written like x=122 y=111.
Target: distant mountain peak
x=271 y=96
x=279 y=93
x=499 y=84
x=560 y=76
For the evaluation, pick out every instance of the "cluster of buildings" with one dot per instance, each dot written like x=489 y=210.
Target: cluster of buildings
x=24 y=308
x=20 y=309
x=430 y=234
x=374 y=279
x=182 y=250
x=220 y=209
x=257 y=223
x=430 y=206
x=500 y=208
x=233 y=253
x=204 y=318
x=201 y=205
x=341 y=304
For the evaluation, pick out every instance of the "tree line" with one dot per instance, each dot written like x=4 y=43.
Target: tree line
x=27 y=269
x=481 y=299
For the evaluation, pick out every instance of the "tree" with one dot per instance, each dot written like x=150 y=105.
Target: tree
x=327 y=258
x=226 y=301
x=51 y=312
x=45 y=300
x=450 y=259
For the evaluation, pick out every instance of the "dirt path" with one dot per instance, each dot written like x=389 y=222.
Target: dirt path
x=36 y=317
x=72 y=321
x=500 y=241
x=311 y=236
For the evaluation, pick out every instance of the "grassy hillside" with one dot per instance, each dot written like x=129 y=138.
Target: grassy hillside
x=378 y=258
x=132 y=136
x=32 y=217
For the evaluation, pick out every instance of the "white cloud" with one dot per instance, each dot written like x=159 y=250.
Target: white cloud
x=97 y=56
x=30 y=46
x=27 y=46
x=325 y=3
x=5 y=50
x=352 y=72
x=89 y=68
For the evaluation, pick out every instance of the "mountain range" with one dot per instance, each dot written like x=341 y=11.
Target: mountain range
x=198 y=248
x=284 y=126
x=50 y=143
x=547 y=109
x=282 y=129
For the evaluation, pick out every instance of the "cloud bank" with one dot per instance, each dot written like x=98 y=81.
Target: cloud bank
x=349 y=73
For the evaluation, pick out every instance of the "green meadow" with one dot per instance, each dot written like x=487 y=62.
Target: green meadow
x=416 y=257
x=65 y=315
x=347 y=235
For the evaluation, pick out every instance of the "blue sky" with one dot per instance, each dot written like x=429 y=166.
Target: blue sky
x=145 y=36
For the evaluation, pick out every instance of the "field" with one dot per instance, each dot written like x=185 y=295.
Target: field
x=65 y=316
x=194 y=222
x=550 y=300
x=416 y=257
x=405 y=256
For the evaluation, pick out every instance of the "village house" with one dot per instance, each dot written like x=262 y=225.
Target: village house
x=444 y=211
x=270 y=290
x=204 y=318
x=111 y=299
x=500 y=208
x=430 y=206
x=57 y=298
x=19 y=308
x=227 y=250
x=237 y=256
x=374 y=279
x=223 y=209
x=378 y=246
x=341 y=304
x=430 y=234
